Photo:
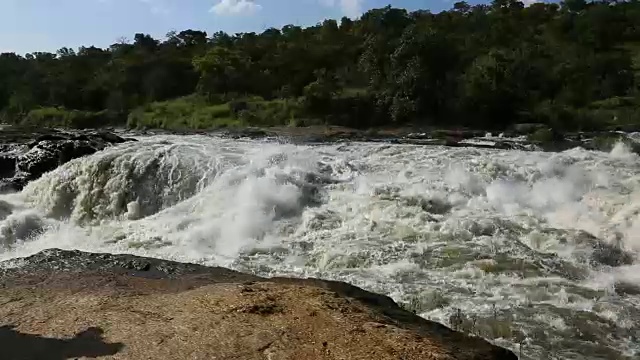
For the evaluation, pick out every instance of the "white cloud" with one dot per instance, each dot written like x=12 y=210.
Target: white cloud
x=352 y=8
x=235 y=7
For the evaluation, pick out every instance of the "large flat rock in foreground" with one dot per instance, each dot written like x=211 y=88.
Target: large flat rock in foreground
x=74 y=305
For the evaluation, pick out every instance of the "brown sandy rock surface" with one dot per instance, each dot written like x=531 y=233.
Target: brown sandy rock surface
x=73 y=305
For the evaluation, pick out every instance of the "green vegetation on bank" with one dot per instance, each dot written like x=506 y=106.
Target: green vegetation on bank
x=574 y=65
x=181 y=113
x=195 y=112
x=61 y=117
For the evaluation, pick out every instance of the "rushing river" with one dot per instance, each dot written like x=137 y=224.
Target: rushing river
x=534 y=251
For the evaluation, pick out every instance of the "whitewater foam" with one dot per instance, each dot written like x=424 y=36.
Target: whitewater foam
x=534 y=241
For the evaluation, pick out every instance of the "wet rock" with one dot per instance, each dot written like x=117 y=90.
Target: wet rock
x=7 y=166
x=60 y=260
x=252 y=133
x=193 y=309
x=626 y=288
x=47 y=137
x=138 y=265
x=12 y=185
x=604 y=253
x=429 y=205
x=28 y=159
x=48 y=154
x=611 y=255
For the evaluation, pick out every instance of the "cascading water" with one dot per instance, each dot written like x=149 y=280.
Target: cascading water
x=535 y=251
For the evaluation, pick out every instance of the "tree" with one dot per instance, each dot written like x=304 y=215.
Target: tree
x=222 y=71
x=574 y=65
x=422 y=74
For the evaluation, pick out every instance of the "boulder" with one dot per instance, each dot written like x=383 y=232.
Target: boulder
x=12 y=185
x=22 y=162
x=7 y=166
x=603 y=252
x=47 y=155
x=60 y=304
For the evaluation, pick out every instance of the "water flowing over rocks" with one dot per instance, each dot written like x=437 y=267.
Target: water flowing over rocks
x=524 y=137
x=532 y=250
x=27 y=154
x=128 y=307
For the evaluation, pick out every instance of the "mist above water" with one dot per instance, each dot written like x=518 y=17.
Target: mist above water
x=537 y=250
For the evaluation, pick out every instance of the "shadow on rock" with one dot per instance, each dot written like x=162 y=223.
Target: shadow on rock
x=89 y=343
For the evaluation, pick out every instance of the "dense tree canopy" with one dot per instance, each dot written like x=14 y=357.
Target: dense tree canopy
x=572 y=65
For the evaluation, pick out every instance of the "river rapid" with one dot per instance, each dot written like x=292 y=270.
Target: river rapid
x=534 y=251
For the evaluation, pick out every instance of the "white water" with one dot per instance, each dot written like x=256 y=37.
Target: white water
x=492 y=233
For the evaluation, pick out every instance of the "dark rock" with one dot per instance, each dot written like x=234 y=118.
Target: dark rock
x=13 y=184
x=48 y=155
x=453 y=135
x=61 y=260
x=7 y=166
x=504 y=145
x=252 y=133
x=138 y=265
x=47 y=137
x=20 y=164
x=112 y=138
x=611 y=255
x=603 y=252
x=625 y=288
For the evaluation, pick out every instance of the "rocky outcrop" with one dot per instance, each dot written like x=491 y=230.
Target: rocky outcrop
x=61 y=305
x=26 y=159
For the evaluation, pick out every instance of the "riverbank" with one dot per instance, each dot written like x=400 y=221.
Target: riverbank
x=72 y=304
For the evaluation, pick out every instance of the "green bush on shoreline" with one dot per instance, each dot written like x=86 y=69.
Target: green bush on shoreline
x=65 y=118
x=194 y=112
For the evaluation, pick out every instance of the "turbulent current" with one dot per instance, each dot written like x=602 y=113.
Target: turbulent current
x=534 y=251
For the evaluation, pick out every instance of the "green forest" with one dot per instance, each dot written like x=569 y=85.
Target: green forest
x=573 y=65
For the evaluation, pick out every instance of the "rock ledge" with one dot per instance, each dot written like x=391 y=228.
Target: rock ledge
x=62 y=305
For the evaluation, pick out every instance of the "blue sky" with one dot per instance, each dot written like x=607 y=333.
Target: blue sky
x=47 y=25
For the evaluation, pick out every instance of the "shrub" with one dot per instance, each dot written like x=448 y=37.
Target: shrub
x=61 y=117
x=190 y=112
x=195 y=112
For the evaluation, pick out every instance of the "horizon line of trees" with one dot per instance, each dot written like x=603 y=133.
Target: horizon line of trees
x=571 y=65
